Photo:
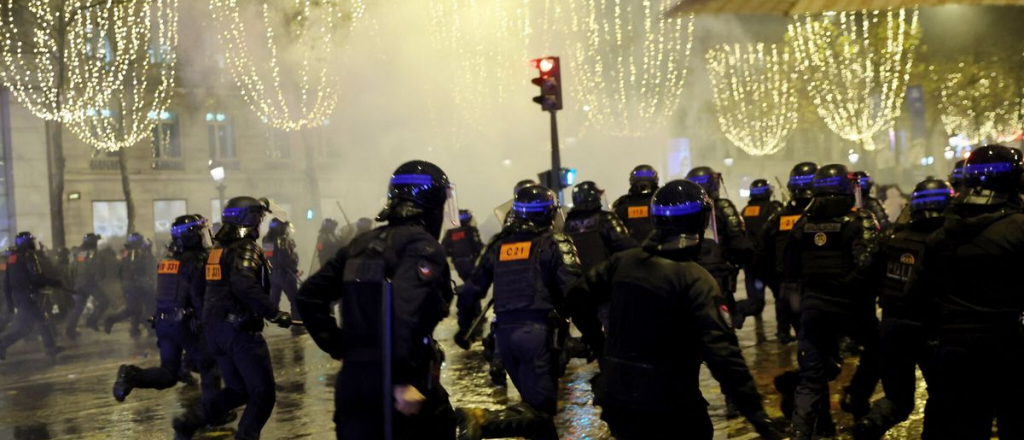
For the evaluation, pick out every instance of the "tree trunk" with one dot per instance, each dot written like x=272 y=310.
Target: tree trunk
x=126 y=185
x=55 y=167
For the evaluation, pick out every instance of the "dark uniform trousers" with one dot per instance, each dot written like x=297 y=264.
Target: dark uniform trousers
x=905 y=345
x=173 y=336
x=527 y=354
x=135 y=297
x=981 y=375
x=29 y=317
x=820 y=361
x=244 y=361
x=645 y=425
x=289 y=287
x=101 y=303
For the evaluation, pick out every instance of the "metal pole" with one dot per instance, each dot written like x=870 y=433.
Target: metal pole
x=387 y=347
x=556 y=159
x=221 y=189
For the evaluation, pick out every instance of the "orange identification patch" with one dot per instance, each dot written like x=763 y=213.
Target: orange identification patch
x=12 y=259
x=786 y=222
x=213 y=272
x=638 y=212
x=752 y=211
x=515 y=251
x=3 y=266
x=458 y=235
x=81 y=258
x=168 y=267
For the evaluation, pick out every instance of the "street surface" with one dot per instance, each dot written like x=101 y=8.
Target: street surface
x=72 y=400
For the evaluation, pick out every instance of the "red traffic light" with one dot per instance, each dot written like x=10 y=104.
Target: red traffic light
x=546 y=64
x=550 y=83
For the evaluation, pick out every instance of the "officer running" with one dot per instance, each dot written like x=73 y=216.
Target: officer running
x=403 y=259
x=28 y=271
x=647 y=389
x=237 y=302
x=463 y=244
x=279 y=248
x=972 y=267
x=830 y=250
x=530 y=267
x=138 y=275
x=88 y=270
x=181 y=287
x=328 y=243
x=759 y=209
x=908 y=337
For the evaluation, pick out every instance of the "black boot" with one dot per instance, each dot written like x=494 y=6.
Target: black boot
x=125 y=381
x=786 y=384
x=186 y=425
x=858 y=407
x=518 y=420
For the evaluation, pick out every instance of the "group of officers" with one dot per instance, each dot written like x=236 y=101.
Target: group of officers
x=650 y=287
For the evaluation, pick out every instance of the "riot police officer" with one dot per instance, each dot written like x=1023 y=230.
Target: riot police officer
x=769 y=260
x=181 y=287
x=88 y=271
x=759 y=209
x=632 y=208
x=733 y=249
x=28 y=270
x=596 y=233
x=647 y=386
x=971 y=266
x=404 y=260
x=138 y=274
x=908 y=338
x=530 y=267
x=830 y=250
x=869 y=202
x=328 y=243
x=237 y=302
x=279 y=248
x=463 y=244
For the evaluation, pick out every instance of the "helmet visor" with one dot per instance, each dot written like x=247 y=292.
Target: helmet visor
x=711 y=232
x=451 y=206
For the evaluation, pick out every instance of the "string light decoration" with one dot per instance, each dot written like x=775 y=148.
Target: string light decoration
x=856 y=66
x=142 y=46
x=312 y=29
x=634 y=64
x=753 y=91
x=50 y=62
x=984 y=105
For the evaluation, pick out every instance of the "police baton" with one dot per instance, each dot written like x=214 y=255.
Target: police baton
x=785 y=191
x=386 y=344
x=479 y=320
x=342 y=212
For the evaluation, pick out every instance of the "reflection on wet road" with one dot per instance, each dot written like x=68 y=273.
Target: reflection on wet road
x=72 y=400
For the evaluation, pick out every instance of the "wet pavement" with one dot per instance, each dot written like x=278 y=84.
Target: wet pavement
x=72 y=400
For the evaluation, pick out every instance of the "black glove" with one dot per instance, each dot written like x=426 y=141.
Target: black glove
x=283 y=319
x=766 y=427
x=462 y=339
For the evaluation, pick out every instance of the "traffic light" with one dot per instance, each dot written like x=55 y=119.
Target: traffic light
x=550 y=83
x=566 y=179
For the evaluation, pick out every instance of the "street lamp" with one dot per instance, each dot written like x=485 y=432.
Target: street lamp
x=217 y=173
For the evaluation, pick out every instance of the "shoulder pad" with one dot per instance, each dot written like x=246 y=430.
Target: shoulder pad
x=567 y=249
x=248 y=255
x=866 y=218
x=619 y=201
x=615 y=222
x=725 y=204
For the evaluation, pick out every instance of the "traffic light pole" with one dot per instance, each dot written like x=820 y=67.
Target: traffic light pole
x=556 y=158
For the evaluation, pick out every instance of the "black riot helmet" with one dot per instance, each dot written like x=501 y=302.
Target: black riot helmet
x=866 y=182
x=242 y=217
x=760 y=190
x=586 y=196
x=420 y=191
x=643 y=180
x=681 y=211
x=190 y=232
x=537 y=205
x=135 y=240
x=956 y=177
x=992 y=176
x=465 y=218
x=930 y=199
x=707 y=178
x=328 y=226
x=522 y=184
x=279 y=228
x=91 y=241
x=800 y=184
x=25 y=241
x=834 y=179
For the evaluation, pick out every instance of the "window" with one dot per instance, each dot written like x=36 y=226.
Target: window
x=164 y=213
x=220 y=132
x=166 y=136
x=110 y=219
